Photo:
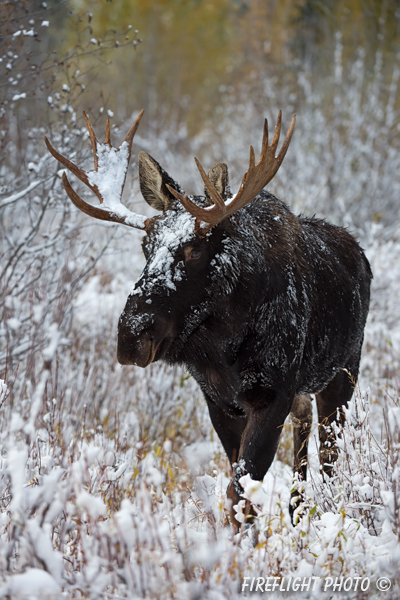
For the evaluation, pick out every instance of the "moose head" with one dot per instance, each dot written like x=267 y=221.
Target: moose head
x=187 y=247
x=262 y=307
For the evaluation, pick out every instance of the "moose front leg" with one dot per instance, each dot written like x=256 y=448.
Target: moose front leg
x=229 y=427
x=301 y=413
x=265 y=418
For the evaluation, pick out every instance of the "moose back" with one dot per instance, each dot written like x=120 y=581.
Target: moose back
x=263 y=307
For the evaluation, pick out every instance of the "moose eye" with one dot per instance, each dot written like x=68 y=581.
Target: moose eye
x=192 y=254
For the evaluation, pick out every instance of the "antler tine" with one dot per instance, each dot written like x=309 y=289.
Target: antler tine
x=89 y=209
x=77 y=171
x=215 y=196
x=93 y=140
x=264 y=145
x=128 y=139
x=131 y=133
x=252 y=159
x=190 y=206
x=277 y=133
x=286 y=141
x=108 y=134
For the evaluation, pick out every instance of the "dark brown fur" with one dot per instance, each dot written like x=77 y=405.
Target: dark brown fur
x=263 y=311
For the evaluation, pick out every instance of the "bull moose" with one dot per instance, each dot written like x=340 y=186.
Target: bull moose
x=263 y=307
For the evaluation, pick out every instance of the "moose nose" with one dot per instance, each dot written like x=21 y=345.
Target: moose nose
x=135 y=336
x=142 y=336
x=134 y=350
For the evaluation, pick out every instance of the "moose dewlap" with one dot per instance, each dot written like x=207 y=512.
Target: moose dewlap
x=263 y=307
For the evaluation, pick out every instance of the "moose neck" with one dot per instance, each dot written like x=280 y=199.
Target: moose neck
x=250 y=270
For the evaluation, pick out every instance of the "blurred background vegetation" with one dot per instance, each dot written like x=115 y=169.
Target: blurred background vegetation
x=196 y=56
x=195 y=53
x=206 y=74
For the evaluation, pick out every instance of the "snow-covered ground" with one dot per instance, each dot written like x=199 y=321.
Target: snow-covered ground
x=113 y=482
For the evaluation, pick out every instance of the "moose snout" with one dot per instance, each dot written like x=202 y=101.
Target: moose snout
x=136 y=350
x=140 y=339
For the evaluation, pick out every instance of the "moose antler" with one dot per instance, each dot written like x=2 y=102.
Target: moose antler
x=254 y=180
x=107 y=180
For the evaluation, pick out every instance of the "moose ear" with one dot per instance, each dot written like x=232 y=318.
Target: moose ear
x=153 y=180
x=219 y=177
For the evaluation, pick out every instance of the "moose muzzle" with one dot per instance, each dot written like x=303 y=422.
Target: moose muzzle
x=141 y=339
x=135 y=351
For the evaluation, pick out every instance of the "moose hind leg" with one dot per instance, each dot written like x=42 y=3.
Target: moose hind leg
x=329 y=403
x=301 y=413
